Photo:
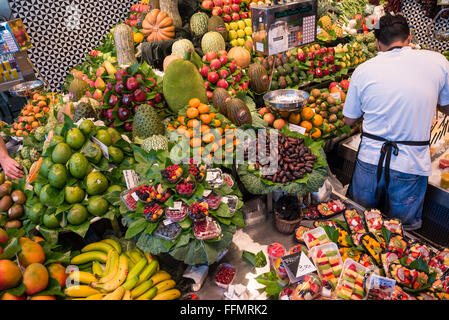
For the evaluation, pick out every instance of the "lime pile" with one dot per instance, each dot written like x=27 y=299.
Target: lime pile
x=239 y=32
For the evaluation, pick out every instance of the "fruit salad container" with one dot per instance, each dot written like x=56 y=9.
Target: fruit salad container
x=153 y=211
x=329 y=209
x=275 y=252
x=225 y=275
x=351 y=285
x=177 y=213
x=440 y=262
x=329 y=223
x=409 y=278
x=388 y=258
x=380 y=288
x=298 y=248
x=373 y=218
x=214 y=177
x=308 y=288
x=418 y=251
x=213 y=199
x=227 y=178
x=172 y=174
x=394 y=226
x=315 y=237
x=328 y=261
x=197 y=172
x=232 y=202
x=206 y=229
x=398 y=245
x=310 y=213
x=168 y=230
x=198 y=211
x=186 y=188
x=160 y=194
x=355 y=225
x=400 y=294
x=299 y=233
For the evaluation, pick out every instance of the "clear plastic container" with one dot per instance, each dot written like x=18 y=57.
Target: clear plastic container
x=232 y=202
x=225 y=275
x=214 y=177
x=299 y=233
x=380 y=288
x=275 y=252
x=315 y=237
x=129 y=200
x=308 y=288
x=373 y=218
x=177 y=213
x=351 y=285
x=168 y=231
x=328 y=261
x=206 y=229
x=213 y=200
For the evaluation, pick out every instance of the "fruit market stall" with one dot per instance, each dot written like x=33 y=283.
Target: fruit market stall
x=152 y=176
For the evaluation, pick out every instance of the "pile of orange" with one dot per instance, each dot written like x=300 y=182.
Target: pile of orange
x=208 y=131
x=34 y=114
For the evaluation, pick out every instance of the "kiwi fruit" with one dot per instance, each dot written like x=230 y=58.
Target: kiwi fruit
x=5 y=189
x=13 y=224
x=324 y=114
x=318 y=101
x=331 y=100
x=333 y=110
x=5 y=203
x=324 y=95
x=333 y=118
x=15 y=212
x=311 y=99
x=315 y=93
x=18 y=197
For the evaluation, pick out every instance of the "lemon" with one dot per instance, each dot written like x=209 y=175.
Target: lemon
x=232 y=35
x=248 y=38
x=227 y=26
x=240 y=41
x=241 y=24
x=247 y=22
x=240 y=33
x=233 y=25
x=248 y=31
x=234 y=43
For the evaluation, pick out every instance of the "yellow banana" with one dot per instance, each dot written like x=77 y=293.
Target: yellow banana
x=150 y=294
x=137 y=268
x=130 y=258
x=99 y=296
x=171 y=294
x=114 y=244
x=98 y=246
x=118 y=279
x=89 y=256
x=97 y=269
x=165 y=285
x=111 y=266
x=130 y=282
x=160 y=276
x=80 y=291
x=117 y=294
x=141 y=289
x=82 y=277
x=127 y=295
x=137 y=254
x=148 y=256
x=148 y=272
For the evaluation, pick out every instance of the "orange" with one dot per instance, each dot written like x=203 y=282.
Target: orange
x=42 y=104
x=316 y=133
x=204 y=128
x=36 y=96
x=285 y=114
x=307 y=113
x=195 y=142
x=189 y=133
x=203 y=108
x=181 y=119
x=170 y=128
x=334 y=89
x=192 y=112
x=206 y=118
x=36 y=109
x=216 y=123
x=194 y=103
x=317 y=120
x=212 y=115
x=26 y=112
x=342 y=96
x=29 y=107
x=30 y=119
x=35 y=124
x=182 y=129
x=294 y=118
x=138 y=37
x=307 y=125
x=208 y=138
x=193 y=123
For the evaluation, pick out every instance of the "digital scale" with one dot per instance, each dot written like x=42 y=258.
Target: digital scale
x=282 y=26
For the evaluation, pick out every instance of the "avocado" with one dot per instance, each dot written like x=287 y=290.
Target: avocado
x=295 y=78
x=287 y=68
x=282 y=82
x=281 y=70
x=274 y=85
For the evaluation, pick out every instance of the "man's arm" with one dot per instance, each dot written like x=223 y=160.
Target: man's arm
x=10 y=166
x=352 y=122
x=444 y=109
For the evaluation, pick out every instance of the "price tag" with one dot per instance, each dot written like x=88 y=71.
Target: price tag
x=135 y=197
x=298 y=129
x=305 y=266
x=336 y=96
x=131 y=178
x=103 y=147
x=206 y=193
x=443 y=2
x=166 y=222
x=297 y=265
x=210 y=176
x=260 y=47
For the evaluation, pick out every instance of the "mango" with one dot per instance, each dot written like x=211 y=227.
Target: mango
x=31 y=252
x=10 y=275
x=3 y=236
x=35 y=278
x=8 y=296
x=43 y=298
x=58 y=272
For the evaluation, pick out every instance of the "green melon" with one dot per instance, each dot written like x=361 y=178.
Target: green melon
x=180 y=47
x=198 y=23
x=212 y=41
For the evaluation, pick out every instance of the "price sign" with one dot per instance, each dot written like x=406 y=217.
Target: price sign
x=103 y=147
x=297 y=265
x=131 y=178
x=299 y=129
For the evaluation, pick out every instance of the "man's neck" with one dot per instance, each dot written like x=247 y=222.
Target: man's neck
x=394 y=44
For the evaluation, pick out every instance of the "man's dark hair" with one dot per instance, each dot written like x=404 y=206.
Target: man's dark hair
x=391 y=28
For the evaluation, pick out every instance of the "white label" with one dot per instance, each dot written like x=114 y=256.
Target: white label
x=443 y=2
x=131 y=178
x=167 y=222
x=336 y=96
x=298 y=129
x=206 y=193
x=177 y=205
x=103 y=147
x=210 y=176
x=135 y=197
x=305 y=266
x=259 y=46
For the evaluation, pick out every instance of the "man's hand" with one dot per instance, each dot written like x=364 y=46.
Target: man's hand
x=444 y=109
x=12 y=168
x=351 y=122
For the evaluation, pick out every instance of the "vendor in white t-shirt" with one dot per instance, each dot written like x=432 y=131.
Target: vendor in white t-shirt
x=396 y=95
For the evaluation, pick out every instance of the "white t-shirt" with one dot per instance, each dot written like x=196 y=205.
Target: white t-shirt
x=397 y=93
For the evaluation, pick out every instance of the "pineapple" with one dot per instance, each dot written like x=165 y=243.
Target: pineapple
x=324 y=33
x=326 y=22
x=338 y=30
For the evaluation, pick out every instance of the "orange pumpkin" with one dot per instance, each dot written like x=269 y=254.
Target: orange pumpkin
x=157 y=25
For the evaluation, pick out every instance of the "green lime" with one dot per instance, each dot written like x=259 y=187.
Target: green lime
x=52 y=221
x=61 y=153
x=45 y=167
x=129 y=162
x=115 y=154
x=115 y=135
x=93 y=153
x=77 y=215
x=87 y=127
x=104 y=137
x=73 y=194
x=97 y=205
x=113 y=188
x=78 y=165
x=57 y=176
x=58 y=129
x=75 y=138
x=56 y=140
x=96 y=183
x=36 y=212
x=47 y=194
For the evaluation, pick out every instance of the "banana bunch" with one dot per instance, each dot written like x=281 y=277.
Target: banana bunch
x=107 y=273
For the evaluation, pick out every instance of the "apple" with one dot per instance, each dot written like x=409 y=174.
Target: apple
x=213 y=77
x=132 y=84
x=263 y=110
x=235 y=7
x=119 y=86
x=224 y=73
x=210 y=94
x=222 y=83
x=227 y=9
x=207 y=4
x=217 y=11
x=204 y=70
x=244 y=15
x=318 y=72
x=110 y=115
x=227 y=18
x=301 y=56
x=344 y=84
x=235 y=16
x=140 y=96
x=211 y=56
x=223 y=59
x=123 y=113
x=128 y=127
x=113 y=100
x=158 y=98
x=269 y=118
x=215 y=64
x=218 y=3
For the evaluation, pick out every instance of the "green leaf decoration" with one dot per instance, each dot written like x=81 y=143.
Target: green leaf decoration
x=53 y=289
x=81 y=229
x=17 y=291
x=136 y=227
x=11 y=249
